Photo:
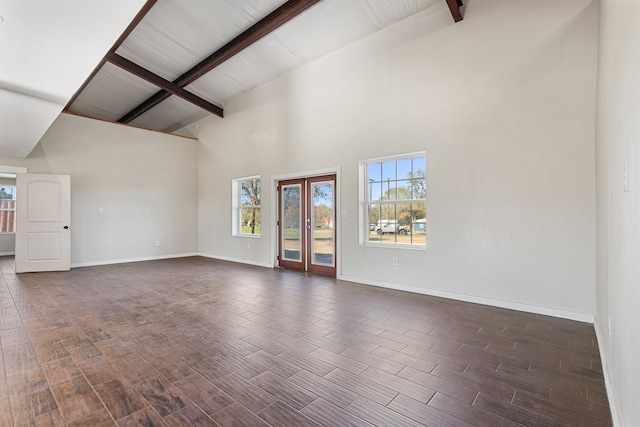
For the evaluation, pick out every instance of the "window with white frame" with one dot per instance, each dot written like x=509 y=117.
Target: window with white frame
x=246 y=206
x=8 y=209
x=395 y=200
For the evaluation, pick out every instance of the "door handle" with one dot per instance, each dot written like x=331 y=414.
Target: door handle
x=66 y=227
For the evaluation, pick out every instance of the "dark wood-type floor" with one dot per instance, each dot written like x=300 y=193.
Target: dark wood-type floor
x=201 y=342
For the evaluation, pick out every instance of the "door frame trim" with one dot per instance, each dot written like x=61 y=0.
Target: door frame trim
x=274 y=210
x=12 y=169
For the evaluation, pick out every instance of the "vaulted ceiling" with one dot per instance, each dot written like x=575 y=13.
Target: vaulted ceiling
x=178 y=61
x=47 y=49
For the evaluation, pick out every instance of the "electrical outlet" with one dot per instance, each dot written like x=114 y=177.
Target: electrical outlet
x=248 y=245
x=394 y=261
x=157 y=242
x=101 y=209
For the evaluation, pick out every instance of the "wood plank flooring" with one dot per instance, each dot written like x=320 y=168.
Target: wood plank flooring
x=200 y=342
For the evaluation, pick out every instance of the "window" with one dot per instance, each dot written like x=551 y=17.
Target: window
x=395 y=200
x=8 y=209
x=246 y=206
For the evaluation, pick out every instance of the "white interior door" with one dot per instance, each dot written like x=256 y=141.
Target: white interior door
x=43 y=213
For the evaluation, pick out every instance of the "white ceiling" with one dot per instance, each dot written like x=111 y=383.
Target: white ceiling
x=53 y=46
x=47 y=50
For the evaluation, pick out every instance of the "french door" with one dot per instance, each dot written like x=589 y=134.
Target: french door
x=306 y=224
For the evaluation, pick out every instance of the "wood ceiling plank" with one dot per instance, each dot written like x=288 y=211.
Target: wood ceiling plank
x=132 y=25
x=266 y=25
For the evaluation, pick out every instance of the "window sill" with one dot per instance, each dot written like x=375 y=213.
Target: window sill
x=394 y=246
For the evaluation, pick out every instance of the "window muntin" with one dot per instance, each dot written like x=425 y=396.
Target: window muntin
x=395 y=201
x=8 y=209
x=246 y=202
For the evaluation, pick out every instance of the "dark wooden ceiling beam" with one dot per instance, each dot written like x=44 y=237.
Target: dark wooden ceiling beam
x=454 y=7
x=132 y=25
x=266 y=25
x=148 y=104
x=165 y=85
x=263 y=27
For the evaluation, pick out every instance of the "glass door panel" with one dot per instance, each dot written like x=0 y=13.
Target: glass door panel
x=291 y=224
x=322 y=223
x=292 y=219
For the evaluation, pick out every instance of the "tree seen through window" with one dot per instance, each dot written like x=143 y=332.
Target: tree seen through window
x=250 y=206
x=396 y=205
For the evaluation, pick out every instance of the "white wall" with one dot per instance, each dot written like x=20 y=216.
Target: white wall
x=145 y=181
x=11 y=162
x=503 y=103
x=7 y=244
x=618 y=211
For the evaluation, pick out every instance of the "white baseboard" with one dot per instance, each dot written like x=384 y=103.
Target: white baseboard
x=580 y=317
x=608 y=380
x=239 y=261
x=7 y=253
x=123 y=261
x=154 y=258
